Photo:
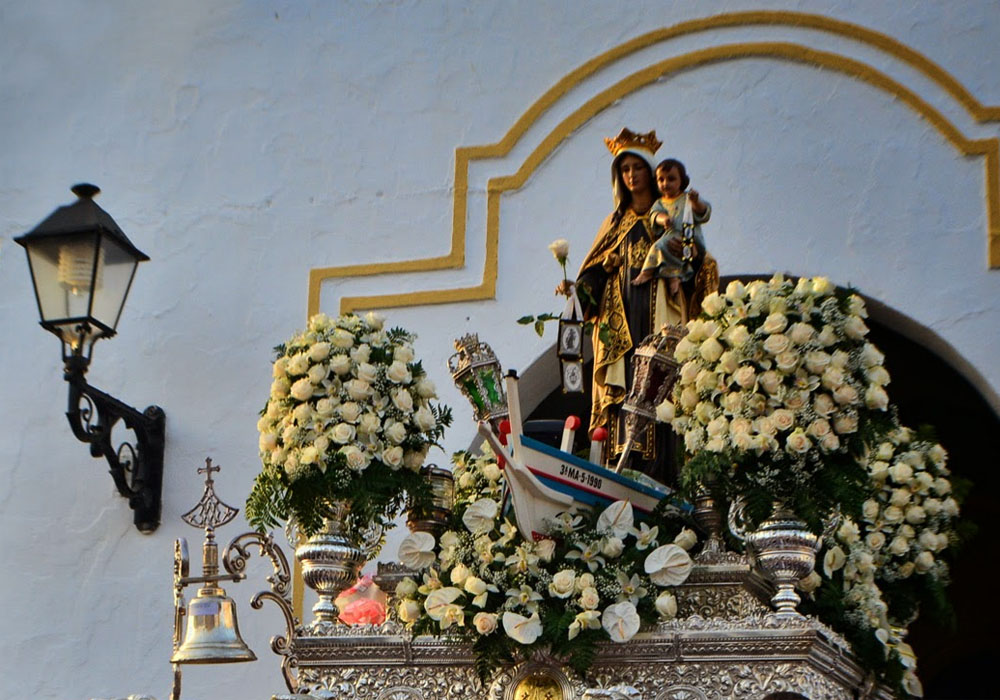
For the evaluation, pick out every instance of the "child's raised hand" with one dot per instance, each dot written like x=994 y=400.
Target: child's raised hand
x=693 y=194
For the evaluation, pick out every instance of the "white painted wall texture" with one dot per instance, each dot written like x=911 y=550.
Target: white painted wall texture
x=241 y=144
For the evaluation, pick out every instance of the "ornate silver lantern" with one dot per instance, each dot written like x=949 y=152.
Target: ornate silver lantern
x=476 y=372
x=654 y=371
x=570 y=345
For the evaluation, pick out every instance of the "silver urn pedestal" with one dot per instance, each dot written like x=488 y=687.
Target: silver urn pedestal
x=784 y=549
x=330 y=565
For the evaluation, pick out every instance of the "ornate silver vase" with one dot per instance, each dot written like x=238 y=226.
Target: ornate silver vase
x=330 y=565
x=784 y=549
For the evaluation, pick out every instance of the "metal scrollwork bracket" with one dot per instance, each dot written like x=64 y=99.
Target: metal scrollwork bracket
x=137 y=469
x=235 y=559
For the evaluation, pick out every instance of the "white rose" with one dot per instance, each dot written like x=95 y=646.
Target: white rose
x=485 y=623
x=399 y=373
x=375 y=320
x=319 y=351
x=892 y=514
x=924 y=562
x=942 y=486
x=855 y=328
x=933 y=506
x=901 y=472
x=830 y=442
x=737 y=336
x=402 y=400
x=783 y=419
x=711 y=350
x=424 y=418
x=362 y=353
x=821 y=286
x=689 y=398
x=823 y=405
x=827 y=336
x=876 y=398
x=745 y=376
x=684 y=350
x=845 y=395
x=612 y=547
x=718 y=427
x=358 y=389
x=367 y=372
x=665 y=412
x=915 y=515
x=395 y=432
x=735 y=290
x=280 y=367
x=325 y=408
x=729 y=361
x=349 y=411
x=875 y=540
x=343 y=433
x=303 y=414
x=704 y=411
x=459 y=574
x=491 y=471
x=342 y=339
x=713 y=304
x=845 y=423
x=356 y=459
x=801 y=333
x=798 y=441
x=298 y=364
x=563 y=584
x=341 y=364
x=302 y=389
x=666 y=606
x=776 y=344
x=771 y=381
x=869 y=509
x=819 y=428
x=900 y=497
x=408 y=610
x=560 y=249
x=317 y=373
x=403 y=353
x=817 y=361
x=393 y=457
x=775 y=323
x=906 y=570
x=426 y=389
x=589 y=598
x=787 y=361
x=369 y=423
x=878 y=376
x=686 y=539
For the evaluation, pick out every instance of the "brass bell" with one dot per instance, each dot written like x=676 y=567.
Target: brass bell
x=212 y=635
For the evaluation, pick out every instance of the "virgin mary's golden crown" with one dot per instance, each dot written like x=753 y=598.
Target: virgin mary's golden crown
x=627 y=139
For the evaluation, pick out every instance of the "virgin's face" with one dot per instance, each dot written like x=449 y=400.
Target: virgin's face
x=635 y=174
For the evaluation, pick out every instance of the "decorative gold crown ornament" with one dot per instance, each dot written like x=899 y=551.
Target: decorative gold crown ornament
x=628 y=140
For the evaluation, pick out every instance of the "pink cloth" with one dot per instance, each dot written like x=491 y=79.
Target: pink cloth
x=363 y=611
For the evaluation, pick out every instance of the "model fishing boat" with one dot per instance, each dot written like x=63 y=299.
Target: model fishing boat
x=545 y=481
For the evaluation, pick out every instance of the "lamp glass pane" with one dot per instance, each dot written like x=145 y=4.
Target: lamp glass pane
x=115 y=269
x=62 y=269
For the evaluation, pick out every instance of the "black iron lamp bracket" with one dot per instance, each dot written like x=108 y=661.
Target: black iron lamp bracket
x=137 y=469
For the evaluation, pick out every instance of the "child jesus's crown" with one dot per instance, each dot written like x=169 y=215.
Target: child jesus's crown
x=627 y=140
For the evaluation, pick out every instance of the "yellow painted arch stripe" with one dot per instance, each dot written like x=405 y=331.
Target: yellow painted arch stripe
x=793 y=52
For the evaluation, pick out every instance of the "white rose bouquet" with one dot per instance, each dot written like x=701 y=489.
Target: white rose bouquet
x=349 y=418
x=882 y=565
x=778 y=394
x=601 y=578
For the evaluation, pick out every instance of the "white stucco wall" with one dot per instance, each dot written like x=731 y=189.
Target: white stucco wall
x=242 y=144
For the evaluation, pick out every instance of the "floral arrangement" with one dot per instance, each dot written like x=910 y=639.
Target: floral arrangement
x=350 y=418
x=601 y=576
x=778 y=395
x=879 y=568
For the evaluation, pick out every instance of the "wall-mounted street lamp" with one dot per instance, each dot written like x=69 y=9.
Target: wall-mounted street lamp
x=82 y=265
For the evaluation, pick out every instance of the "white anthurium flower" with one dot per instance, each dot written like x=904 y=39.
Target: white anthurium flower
x=620 y=621
x=617 y=519
x=438 y=601
x=668 y=565
x=479 y=517
x=523 y=630
x=416 y=551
